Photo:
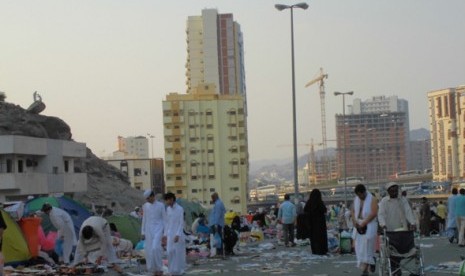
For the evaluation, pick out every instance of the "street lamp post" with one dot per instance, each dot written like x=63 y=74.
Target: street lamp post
x=281 y=7
x=344 y=138
x=151 y=143
x=152 y=178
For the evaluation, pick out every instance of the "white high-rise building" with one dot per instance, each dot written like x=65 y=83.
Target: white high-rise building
x=379 y=104
x=132 y=147
x=215 y=53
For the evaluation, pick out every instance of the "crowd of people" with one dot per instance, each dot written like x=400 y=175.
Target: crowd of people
x=164 y=231
x=367 y=217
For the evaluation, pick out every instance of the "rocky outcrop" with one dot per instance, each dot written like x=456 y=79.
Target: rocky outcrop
x=14 y=120
x=105 y=185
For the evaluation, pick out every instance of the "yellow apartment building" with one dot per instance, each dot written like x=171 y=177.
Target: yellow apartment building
x=205 y=138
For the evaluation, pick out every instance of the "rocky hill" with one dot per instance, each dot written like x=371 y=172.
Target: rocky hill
x=106 y=184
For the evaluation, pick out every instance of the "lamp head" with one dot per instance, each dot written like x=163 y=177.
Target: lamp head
x=337 y=93
x=350 y=93
x=281 y=7
x=302 y=5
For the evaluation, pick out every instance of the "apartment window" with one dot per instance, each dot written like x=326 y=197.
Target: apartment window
x=211 y=164
x=209 y=113
x=20 y=166
x=137 y=172
x=177 y=152
x=210 y=151
x=234 y=189
x=212 y=190
x=210 y=138
x=9 y=166
x=55 y=170
x=178 y=192
x=211 y=177
x=236 y=200
x=194 y=191
x=193 y=151
x=194 y=177
x=177 y=165
x=178 y=177
x=66 y=166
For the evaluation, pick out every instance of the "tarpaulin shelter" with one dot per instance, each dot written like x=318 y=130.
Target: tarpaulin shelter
x=77 y=211
x=192 y=210
x=128 y=226
x=15 y=248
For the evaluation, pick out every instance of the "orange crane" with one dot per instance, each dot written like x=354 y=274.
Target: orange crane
x=321 y=80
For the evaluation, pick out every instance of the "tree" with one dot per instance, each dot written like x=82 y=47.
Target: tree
x=2 y=96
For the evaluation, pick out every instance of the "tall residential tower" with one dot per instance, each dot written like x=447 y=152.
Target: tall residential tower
x=205 y=130
x=215 y=53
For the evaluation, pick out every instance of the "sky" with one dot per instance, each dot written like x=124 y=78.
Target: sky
x=105 y=66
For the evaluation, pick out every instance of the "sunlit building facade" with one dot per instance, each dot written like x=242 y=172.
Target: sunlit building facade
x=447 y=125
x=215 y=53
x=206 y=151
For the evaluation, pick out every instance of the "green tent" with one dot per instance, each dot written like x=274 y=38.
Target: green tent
x=15 y=248
x=192 y=210
x=128 y=226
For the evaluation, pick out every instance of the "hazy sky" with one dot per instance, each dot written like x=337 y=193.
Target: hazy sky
x=104 y=66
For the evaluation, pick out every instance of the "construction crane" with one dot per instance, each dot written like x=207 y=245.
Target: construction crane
x=321 y=80
x=311 y=160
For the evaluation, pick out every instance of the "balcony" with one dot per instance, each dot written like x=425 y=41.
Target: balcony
x=43 y=183
x=175 y=170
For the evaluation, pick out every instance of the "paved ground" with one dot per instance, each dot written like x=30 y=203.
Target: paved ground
x=299 y=261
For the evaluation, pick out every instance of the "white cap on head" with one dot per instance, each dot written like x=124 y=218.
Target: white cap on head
x=147 y=193
x=390 y=184
x=29 y=197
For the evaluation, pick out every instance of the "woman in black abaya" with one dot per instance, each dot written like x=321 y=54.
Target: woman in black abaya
x=315 y=211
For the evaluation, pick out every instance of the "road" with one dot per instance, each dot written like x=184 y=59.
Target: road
x=258 y=259
x=299 y=261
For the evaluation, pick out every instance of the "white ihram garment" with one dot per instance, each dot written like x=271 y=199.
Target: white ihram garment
x=99 y=245
x=157 y=235
x=62 y=221
x=148 y=230
x=365 y=244
x=174 y=226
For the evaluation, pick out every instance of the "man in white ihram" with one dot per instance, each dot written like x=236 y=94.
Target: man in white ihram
x=152 y=231
x=62 y=221
x=174 y=236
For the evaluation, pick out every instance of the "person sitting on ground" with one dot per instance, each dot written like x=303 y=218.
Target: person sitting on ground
x=136 y=213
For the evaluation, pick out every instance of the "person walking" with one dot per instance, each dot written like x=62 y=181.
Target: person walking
x=315 y=211
x=152 y=231
x=174 y=236
x=364 y=212
x=460 y=216
x=451 y=227
x=425 y=217
x=216 y=221
x=62 y=221
x=442 y=214
x=395 y=214
x=287 y=215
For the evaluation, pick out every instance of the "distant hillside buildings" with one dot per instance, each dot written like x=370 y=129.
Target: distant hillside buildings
x=132 y=158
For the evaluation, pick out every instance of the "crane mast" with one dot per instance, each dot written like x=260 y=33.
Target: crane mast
x=320 y=79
